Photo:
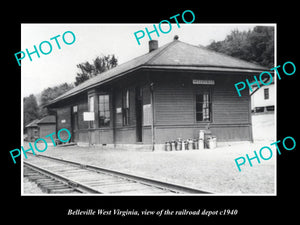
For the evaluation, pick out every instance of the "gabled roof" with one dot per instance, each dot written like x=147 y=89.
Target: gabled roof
x=174 y=55
x=32 y=123
x=47 y=120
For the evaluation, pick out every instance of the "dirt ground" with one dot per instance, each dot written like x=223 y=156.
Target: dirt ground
x=30 y=187
x=263 y=126
x=209 y=170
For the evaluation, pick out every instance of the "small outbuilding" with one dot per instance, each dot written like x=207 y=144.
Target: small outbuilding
x=170 y=92
x=39 y=128
x=47 y=125
x=32 y=131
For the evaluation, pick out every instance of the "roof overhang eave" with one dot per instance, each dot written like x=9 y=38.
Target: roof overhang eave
x=205 y=68
x=161 y=67
x=91 y=86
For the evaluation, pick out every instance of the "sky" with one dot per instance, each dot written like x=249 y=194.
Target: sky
x=94 y=40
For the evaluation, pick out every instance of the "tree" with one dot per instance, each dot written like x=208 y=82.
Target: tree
x=51 y=93
x=255 y=46
x=34 y=111
x=99 y=65
x=261 y=42
x=31 y=109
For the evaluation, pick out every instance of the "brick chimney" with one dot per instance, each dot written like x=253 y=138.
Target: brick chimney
x=153 y=45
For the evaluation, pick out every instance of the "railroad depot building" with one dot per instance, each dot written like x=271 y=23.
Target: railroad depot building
x=171 y=92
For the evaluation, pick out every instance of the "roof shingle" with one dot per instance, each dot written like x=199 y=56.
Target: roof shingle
x=175 y=54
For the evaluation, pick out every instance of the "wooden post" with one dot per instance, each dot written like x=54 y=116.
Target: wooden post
x=152 y=110
x=113 y=113
x=89 y=137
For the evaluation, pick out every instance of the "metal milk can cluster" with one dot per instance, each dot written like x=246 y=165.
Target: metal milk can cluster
x=204 y=141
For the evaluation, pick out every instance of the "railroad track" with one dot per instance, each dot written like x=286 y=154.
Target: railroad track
x=48 y=183
x=60 y=176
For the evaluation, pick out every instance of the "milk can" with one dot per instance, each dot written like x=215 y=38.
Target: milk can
x=172 y=145
x=195 y=144
x=190 y=144
x=178 y=144
x=201 y=134
x=200 y=144
x=167 y=146
x=186 y=145
x=207 y=137
x=183 y=145
x=212 y=142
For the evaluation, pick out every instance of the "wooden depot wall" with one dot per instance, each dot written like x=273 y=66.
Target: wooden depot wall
x=175 y=113
x=174 y=109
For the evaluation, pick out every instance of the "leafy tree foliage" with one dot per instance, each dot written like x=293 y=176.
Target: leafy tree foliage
x=99 y=65
x=255 y=45
x=34 y=111
x=51 y=93
x=31 y=109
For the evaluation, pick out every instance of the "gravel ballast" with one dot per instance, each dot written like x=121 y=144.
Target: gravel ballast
x=209 y=170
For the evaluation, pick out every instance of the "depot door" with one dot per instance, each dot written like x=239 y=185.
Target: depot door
x=139 y=113
x=74 y=122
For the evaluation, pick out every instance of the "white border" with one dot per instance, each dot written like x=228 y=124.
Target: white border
x=205 y=24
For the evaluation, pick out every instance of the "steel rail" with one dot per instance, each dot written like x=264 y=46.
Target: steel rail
x=74 y=184
x=148 y=181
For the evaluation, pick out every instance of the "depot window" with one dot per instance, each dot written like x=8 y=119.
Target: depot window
x=203 y=107
x=91 y=109
x=125 y=107
x=104 y=111
x=266 y=93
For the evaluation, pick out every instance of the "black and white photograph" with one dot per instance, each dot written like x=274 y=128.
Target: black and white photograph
x=170 y=109
x=149 y=112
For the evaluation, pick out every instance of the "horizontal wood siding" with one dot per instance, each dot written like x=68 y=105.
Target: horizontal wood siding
x=223 y=133
x=63 y=112
x=228 y=107
x=170 y=133
x=101 y=136
x=46 y=129
x=173 y=104
x=232 y=133
x=126 y=135
x=174 y=99
x=83 y=136
x=174 y=109
x=147 y=135
x=82 y=107
x=64 y=118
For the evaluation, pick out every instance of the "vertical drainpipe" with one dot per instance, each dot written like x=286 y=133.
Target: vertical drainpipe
x=152 y=109
x=56 y=122
x=250 y=118
x=113 y=113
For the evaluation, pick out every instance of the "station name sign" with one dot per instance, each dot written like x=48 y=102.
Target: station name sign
x=206 y=82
